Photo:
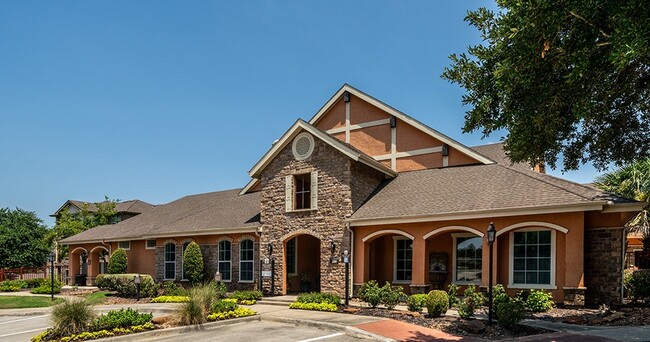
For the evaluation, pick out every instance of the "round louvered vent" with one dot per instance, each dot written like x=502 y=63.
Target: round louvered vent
x=303 y=146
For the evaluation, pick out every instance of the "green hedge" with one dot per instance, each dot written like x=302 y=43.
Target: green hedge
x=318 y=297
x=124 y=284
x=117 y=262
x=246 y=295
x=193 y=263
x=120 y=319
x=46 y=288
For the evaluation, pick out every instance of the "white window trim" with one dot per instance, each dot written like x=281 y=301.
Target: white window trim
x=295 y=257
x=453 y=259
x=165 y=262
x=251 y=261
x=395 y=281
x=511 y=285
x=127 y=248
x=219 y=261
x=146 y=245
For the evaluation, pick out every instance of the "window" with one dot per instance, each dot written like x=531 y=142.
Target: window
x=468 y=258
x=151 y=244
x=246 y=260
x=224 y=259
x=170 y=261
x=185 y=244
x=302 y=187
x=532 y=258
x=125 y=245
x=292 y=262
x=403 y=260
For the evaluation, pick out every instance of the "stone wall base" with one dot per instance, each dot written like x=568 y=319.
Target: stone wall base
x=415 y=289
x=574 y=296
x=603 y=266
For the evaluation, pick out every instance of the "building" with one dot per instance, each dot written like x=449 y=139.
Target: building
x=402 y=202
x=123 y=210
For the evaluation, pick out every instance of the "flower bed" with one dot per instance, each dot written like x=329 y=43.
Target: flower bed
x=92 y=335
x=314 y=306
x=237 y=313
x=170 y=299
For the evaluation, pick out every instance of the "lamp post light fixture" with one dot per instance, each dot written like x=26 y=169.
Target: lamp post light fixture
x=332 y=246
x=346 y=260
x=491 y=235
x=137 y=280
x=52 y=257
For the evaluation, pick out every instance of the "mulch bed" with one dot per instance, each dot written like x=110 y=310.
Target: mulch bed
x=451 y=325
x=622 y=316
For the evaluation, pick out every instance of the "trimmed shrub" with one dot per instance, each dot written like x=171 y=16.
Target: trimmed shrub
x=169 y=288
x=638 y=284
x=117 y=262
x=499 y=296
x=239 y=312
x=46 y=288
x=452 y=292
x=71 y=317
x=437 y=303
x=370 y=293
x=510 y=313
x=472 y=300
x=170 y=299
x=224 y=306
x=246 y=295
x=193 y=263
x=124 y=284
x=318 y=297
x=539 y=301
x=391 y=295
x=120 y=319
x=416 y=302
x=12 y=285
x=314 y=306
x=36 y=282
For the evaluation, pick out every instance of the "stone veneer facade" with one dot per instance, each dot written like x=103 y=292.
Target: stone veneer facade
x=343 y=185
x=603 y=266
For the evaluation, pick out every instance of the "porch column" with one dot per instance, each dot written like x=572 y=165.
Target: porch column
x=419 y=267
x=574 y=287
x=485 y=267
x=360 y=265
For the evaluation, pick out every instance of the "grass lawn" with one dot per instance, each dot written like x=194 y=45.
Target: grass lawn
x=17 y=302
x=96 y=298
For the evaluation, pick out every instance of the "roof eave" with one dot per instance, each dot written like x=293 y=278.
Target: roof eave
x=624 y=207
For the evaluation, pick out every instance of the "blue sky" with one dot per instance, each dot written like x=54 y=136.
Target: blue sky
x=159 y=99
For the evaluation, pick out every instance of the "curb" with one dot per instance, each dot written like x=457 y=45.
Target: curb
x=349 y=330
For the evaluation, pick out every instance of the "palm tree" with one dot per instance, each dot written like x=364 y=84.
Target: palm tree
x=633 y=182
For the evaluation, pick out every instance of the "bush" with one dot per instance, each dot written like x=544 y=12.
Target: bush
x=246 y=295
x=169 y=288
x=195 y=310
x=193 y=263
x=71 y=317
x=391 y=295
x=221 y=289
x=416 y=302
x=370 y=293
x=47 y=335
x=472 y=300
x=36 y=282
x=239 y=312
x=170 y=299
x=317 y=297
x=314 y=306
x=120 y=319
x=638 y=284
x=117 y=262
x=124 y=284
x=499 y=296
x=539 y=301
x=510 y=313
x=12 y=285
x=452 y=292
x=437 y=303
x=46 y=288
x=224 y=306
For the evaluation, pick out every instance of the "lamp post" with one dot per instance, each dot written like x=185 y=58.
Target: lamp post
x=52 y=256
x=491 y=235
x=346 y=260
x=137 y=280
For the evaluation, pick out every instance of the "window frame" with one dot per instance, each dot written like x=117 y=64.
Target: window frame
x=229 y=261
x=304 y=193
x=252 y=261
x=146 y=244
x=295 y=257
x=165 y=261
x=511 y=256
x=119 y=245
x=455 y=237
x=395 y=243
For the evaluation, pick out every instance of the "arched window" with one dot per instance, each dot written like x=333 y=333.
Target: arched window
x=225 y=259
x=170 y=261
x=246 y=260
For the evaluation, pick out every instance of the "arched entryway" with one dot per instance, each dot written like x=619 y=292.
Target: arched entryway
x=98 y=263
x=79 y=266
x=302 y=259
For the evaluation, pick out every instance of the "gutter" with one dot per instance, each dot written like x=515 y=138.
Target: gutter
x=250 y=229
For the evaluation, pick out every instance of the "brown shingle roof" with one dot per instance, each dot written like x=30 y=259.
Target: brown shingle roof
x=191 y=214
x=496 y=152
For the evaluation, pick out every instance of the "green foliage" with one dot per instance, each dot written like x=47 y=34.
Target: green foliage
x=118 y=261
x=193 y=263
x=437 y=303
x=19 y=302
x=314 y=306
x=318 y=297
x=120 y=319
x=247 y=295
x=22 y=236
x=539 y=301
x=195 y=310
x=12 y=285
x=416 y=302
x=239 y=312
x=472 y=300
x=170 y=299
x=49 y=334
x=452 y=292
x=96 y=298
x=169 y=288
x=124 y=284
x=36 y=282
x=510 y=313
x=391 y=295
x=71 y=317
x=638 y=284
x=223 y=306
x=370 y=293
x=565 y=78
x=46 y=288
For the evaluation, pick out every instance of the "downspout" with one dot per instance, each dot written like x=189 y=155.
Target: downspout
x=351 y=290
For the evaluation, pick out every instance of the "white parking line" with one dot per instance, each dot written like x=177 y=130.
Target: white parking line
x=317 y=338
x=22 y=332
x=23 y=319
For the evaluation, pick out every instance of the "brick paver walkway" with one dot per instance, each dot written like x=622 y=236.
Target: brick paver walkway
x=402 y=331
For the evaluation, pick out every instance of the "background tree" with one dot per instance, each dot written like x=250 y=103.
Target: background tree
x=117 y=262
x=21 y=239
x=193 y=263
x=633 y=182
x=568 y=77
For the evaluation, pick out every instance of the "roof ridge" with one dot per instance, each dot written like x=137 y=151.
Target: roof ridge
x=549 y=183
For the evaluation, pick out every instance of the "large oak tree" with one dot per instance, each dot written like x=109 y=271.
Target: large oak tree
x=561 y=77
x=21 y=239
